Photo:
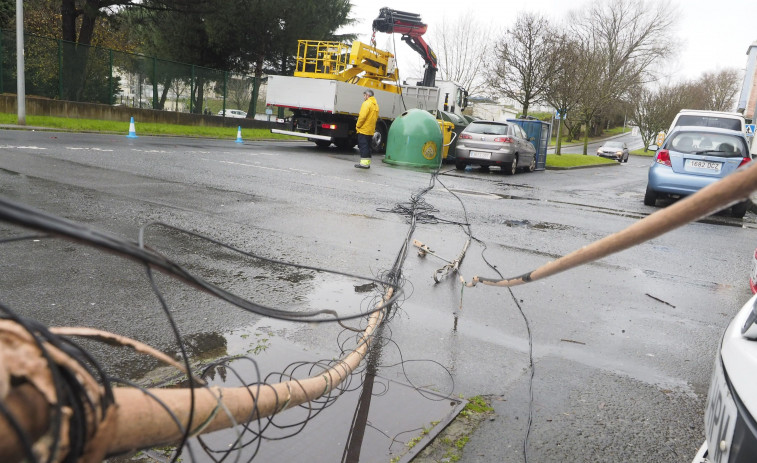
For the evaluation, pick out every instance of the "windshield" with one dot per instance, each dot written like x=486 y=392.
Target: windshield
x=487 y=128
x=712 y=144
x=613 y=144
x=710 y=121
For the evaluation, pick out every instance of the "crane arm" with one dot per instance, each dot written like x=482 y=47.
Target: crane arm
x=412 y=29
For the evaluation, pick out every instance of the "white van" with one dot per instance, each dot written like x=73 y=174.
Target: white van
x=722 y=119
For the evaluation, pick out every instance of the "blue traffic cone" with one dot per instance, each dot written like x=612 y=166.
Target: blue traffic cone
x=132 y=131
x=239 y=135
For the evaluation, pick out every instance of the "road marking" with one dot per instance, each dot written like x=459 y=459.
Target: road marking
x=151 y=151
x=86 y=149
x=22 y=147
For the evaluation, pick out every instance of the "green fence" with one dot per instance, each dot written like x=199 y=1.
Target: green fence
x=68 y=71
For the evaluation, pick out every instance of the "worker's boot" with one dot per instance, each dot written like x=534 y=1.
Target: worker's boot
x=365 y=163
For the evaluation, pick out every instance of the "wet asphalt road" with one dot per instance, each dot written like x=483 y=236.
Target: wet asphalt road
x=623 y=348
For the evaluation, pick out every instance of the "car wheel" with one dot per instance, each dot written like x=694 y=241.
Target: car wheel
x=739 y=210
x=650 y=197
x=532 y=166
x=322 y=143
x=459 y=165
x=512 y=168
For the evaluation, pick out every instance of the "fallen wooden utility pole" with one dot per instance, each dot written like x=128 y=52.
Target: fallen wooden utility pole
x=137 y=420
x=717 y=196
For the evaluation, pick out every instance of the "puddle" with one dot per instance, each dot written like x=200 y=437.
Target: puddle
x=535 y=226
x=487 y=195
x=370 y=419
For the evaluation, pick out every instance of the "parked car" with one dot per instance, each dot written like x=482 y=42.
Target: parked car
x=616 y=150
x=702 y=118
x=691 y=158
x=501 y=144
x=233 y=113
x=729 y=418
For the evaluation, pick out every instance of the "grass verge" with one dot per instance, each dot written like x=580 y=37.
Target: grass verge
x=576 y=160
x=141 y=128
x=448 y=445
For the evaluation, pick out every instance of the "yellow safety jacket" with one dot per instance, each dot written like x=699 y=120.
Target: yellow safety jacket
x=366 y=120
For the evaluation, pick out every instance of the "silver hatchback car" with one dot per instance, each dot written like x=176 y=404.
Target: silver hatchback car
x=501 y=144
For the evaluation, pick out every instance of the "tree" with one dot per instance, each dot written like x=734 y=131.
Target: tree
x=524 y=58
x=7 y=14
x=653 y=109
x=572 y=78
x=257 y=32
x=719 y=89
x=629 y=36
x=181 y=37
x=462 y=47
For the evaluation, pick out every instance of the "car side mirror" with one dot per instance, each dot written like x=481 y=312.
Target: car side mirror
x=653 y=147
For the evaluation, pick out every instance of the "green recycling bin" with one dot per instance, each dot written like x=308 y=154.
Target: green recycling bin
x=414 y=139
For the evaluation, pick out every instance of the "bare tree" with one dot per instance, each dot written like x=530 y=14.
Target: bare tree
x=719 y=89
x=239 y=91
x=572 y=78
x=630 y=36
x=652 y=110
x=462 y=46
x=523 y=60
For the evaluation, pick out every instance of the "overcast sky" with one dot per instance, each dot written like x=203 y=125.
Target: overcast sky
x=712 y=35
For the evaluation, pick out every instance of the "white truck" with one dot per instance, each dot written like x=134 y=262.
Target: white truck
x=326 y=90
x=325 y=111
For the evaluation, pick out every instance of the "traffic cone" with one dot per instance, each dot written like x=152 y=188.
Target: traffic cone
x=132 y=131
x=239 y=135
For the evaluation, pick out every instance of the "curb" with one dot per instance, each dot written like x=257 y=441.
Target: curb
x=581 y=167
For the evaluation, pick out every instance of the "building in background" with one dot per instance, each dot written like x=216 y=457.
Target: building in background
x=748 y=96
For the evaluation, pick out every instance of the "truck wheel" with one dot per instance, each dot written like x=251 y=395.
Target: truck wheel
x=322 y=143
x=378 y=142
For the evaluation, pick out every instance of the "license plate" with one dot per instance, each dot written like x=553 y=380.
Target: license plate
x=480 y=155
x=706 y=165
x=719 y=417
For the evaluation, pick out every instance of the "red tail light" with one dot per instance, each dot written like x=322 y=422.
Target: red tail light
x=465 y=136
x=744 y=161
x=504 y=139
x=663 y=157
x=328 y=126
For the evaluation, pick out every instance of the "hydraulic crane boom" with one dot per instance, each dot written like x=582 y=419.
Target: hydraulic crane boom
x=412 y=29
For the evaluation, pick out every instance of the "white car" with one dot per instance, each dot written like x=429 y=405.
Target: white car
x=233 y=113
x=729 y=417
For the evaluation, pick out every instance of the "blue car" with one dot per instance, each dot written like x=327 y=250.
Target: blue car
x=692 y=158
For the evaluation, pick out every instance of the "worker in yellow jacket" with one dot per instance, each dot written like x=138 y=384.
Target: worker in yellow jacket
x=365 y=127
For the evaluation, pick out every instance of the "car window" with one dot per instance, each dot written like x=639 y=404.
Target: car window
x=484 y=128
x=709 y=121
x=708 y=144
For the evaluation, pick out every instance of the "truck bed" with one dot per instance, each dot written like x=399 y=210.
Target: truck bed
x=344 y=98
